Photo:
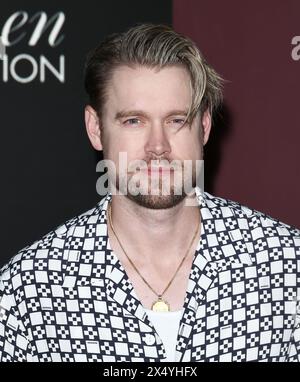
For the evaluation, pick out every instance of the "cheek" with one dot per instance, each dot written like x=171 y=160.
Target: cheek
x=198 y=144
x=198 y=149
x=190 y=148
x=121 y=150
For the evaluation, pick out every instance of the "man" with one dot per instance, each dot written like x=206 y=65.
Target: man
x=154 y=276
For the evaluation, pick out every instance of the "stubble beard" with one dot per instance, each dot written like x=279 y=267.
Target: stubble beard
x=175 y=195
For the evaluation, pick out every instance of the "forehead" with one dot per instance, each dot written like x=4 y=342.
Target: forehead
x=149 y=89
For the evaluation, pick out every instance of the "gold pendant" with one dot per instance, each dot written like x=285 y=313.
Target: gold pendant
x=160 y=305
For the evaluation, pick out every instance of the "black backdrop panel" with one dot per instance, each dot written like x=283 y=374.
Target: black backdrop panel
x=48 y=167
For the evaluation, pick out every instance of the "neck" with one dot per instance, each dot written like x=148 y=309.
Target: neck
x=154 y=232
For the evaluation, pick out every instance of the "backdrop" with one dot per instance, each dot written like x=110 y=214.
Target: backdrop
x=253 y=153
x=48 y=166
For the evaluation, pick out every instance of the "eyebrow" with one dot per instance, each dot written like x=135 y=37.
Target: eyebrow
x=131 y=113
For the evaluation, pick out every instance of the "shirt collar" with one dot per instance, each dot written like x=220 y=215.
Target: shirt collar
x=90 y=261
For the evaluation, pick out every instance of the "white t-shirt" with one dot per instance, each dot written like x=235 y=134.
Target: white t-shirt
x=166 y=324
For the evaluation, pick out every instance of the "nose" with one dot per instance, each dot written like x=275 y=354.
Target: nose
x=157 y=141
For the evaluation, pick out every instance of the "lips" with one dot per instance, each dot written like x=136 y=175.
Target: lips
x=155 y=170
x=160 y=169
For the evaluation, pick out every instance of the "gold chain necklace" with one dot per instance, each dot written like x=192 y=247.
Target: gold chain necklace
x=159 y=305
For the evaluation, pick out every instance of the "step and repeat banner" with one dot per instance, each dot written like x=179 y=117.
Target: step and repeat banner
x=48 y=166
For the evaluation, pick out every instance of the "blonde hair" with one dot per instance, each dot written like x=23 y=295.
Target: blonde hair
x=154 y=46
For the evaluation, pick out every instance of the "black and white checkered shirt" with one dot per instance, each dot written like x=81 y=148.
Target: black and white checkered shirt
x=67 y=297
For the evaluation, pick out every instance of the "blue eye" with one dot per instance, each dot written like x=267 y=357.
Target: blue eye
x=131 y=121
x=178 y=120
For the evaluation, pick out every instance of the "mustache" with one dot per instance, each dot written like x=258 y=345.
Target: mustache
x=174 y=164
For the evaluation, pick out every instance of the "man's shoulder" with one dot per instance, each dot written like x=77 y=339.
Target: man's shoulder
x=49 y=249
x=249 y=218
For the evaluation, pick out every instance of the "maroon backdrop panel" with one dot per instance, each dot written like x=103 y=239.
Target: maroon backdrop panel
x=253 y=155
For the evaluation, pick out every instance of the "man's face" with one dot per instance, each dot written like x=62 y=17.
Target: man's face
x=143 y=117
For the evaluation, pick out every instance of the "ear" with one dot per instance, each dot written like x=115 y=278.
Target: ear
x=206 y=125
x=92 y=125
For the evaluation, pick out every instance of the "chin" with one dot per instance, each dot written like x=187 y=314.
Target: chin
x=157 y=202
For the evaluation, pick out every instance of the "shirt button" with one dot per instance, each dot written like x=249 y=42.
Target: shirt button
x=149 y=339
